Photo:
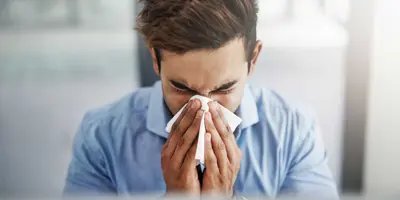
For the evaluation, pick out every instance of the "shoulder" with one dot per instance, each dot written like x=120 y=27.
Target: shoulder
x=102 y=125
x=287 y=119
x=134 y=102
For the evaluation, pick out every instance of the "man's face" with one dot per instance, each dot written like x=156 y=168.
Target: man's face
x=219 y=74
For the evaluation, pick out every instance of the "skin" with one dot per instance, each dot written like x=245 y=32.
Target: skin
x=221 y=75
x=222 y=155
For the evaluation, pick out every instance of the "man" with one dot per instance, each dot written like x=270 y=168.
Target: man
x=207 y=48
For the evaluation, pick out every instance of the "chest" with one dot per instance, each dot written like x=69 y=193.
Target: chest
x=140 y=170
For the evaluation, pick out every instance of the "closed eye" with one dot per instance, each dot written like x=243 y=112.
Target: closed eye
x=226 y=91
x=226 y=88
x=179 y=87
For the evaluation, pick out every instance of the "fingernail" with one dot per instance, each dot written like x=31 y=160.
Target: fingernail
x=187 y=106
x=194 y=103
x=189 y=103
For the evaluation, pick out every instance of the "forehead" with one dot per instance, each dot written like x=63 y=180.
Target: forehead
x=206 y=67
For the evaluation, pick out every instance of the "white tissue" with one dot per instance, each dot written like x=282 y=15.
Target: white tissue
x=230 y=117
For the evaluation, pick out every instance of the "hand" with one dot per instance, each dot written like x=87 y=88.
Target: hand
x=222 y=157
x=178 y=153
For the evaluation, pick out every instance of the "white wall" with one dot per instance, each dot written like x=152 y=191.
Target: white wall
x=303 y=60
x=382 y=174
x=48 y=79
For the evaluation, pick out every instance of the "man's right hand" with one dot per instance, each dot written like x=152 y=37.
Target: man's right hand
x=178 y=154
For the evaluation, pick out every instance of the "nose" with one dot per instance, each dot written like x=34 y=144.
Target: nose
x=206 y=94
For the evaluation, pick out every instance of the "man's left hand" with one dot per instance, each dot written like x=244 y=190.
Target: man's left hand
x=222 y=155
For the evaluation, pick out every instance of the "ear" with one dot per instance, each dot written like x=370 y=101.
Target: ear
x=155 y=63
x=256 y=53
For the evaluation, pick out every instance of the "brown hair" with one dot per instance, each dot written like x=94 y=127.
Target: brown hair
x=180 y=26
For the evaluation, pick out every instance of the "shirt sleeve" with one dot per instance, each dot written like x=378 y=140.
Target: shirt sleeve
x=87 y=172
x=308 y=173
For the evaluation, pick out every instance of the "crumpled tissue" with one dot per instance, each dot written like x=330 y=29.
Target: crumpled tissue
x=230 y=117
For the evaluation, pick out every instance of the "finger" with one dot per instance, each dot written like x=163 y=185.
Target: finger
x=217 y=144
x=223 y=129
x=185 y=119
x=210 y=158
x=187 y=139
x=170 y=144
x=181 y=125
x=190 y=161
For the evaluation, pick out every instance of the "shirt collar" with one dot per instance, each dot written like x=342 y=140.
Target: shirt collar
x=158 y=114
x=248 y=109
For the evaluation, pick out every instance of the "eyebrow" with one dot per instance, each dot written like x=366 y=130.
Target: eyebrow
x=183 y=86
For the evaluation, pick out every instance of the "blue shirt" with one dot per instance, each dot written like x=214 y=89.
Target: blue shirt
x=117 y=148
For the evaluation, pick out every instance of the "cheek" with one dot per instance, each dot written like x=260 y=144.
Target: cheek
x=175 y=101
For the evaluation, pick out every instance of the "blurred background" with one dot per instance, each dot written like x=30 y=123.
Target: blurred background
x=59 y=58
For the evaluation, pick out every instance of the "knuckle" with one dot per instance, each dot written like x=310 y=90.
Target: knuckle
x=227 y=128
x=222 y=178
x=213 y=160
x=182 y=141
x=225 y=134
x=221 y=146
x=175 y=128
x=164 y=155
